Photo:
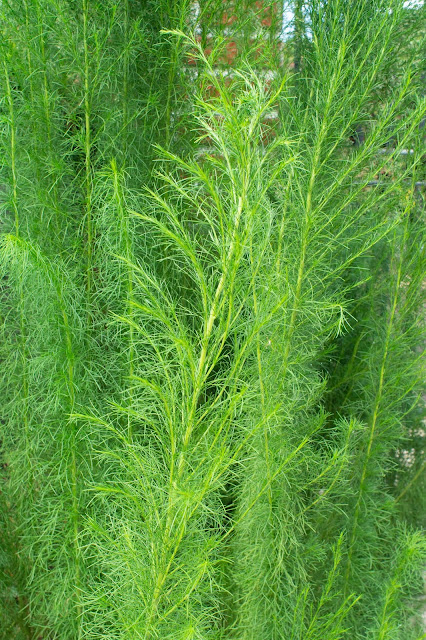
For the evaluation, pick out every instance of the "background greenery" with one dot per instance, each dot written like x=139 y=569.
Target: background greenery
x=212 y=295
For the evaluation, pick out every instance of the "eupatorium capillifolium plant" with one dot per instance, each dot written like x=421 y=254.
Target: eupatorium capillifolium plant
x=211 y=325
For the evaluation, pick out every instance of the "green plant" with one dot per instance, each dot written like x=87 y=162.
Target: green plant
x=210 y=362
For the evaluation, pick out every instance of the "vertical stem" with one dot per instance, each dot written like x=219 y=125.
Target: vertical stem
x=48 y=117
x=88 y=167
x=31 y=85
x=128 y=252
x=309 y=208
x=127 y=239
x=10 y=104
x=208 y=329
x=170 y=525
x=303 y=250
x=22 y=330
x=126 y=81
x=89 y=285
x=75 y=492
x=170 y=81
x=174 y=59
x=124 y=222
x=298 y=34
x=377 y=405
x=262 y=392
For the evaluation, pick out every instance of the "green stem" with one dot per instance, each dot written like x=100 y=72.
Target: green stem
x=48 y=118
x=169 y=550
x=299 y=26
x=375 y=410
x=412 y=481
x=208 y=328
x=87 y=164
x=22 y=329
x=262 y=389
x=31 y=86
x=173 y=65
x=128 y=250
x=309 y=209
x=126 y=80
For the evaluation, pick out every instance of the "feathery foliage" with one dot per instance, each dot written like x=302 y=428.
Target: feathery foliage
x=212 y=263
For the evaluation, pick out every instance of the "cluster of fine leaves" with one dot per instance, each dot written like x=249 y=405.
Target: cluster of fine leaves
x=212 y=285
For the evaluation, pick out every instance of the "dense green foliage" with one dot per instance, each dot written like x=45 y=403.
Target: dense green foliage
x=211 y=321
